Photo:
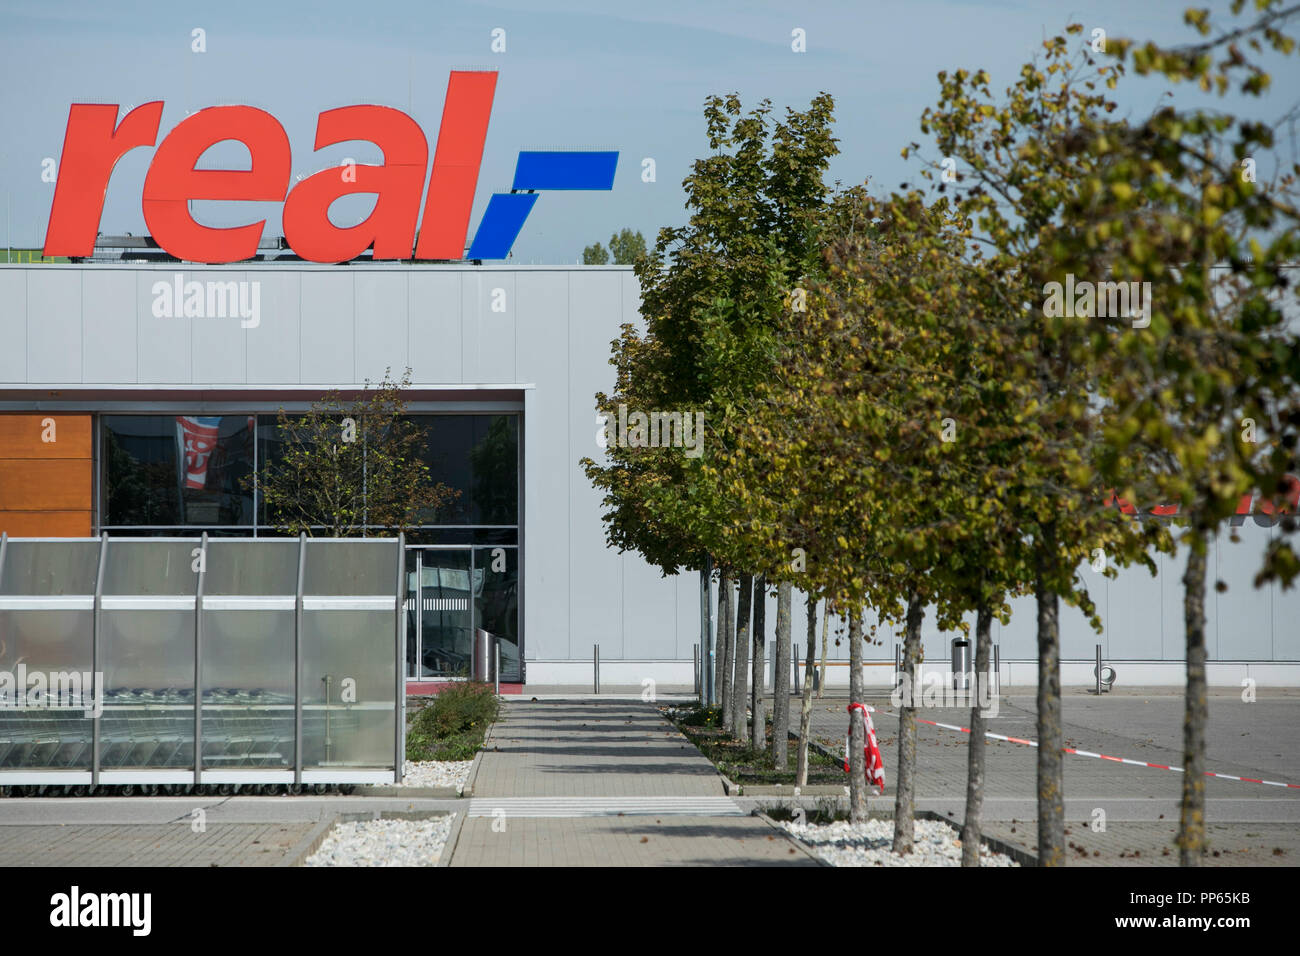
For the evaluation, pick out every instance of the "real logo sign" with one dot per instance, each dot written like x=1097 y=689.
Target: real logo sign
x=95 y=140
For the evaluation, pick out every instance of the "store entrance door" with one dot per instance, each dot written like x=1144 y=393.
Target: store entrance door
x=453 y=592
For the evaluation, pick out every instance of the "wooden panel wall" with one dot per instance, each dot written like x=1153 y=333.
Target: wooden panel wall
x=45 y=485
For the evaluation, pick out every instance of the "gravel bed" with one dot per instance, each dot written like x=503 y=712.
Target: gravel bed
x=436 y=773
x=868 y=844
x=384 y=843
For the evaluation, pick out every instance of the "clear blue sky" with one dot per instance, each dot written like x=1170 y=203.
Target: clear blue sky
x=598 y=74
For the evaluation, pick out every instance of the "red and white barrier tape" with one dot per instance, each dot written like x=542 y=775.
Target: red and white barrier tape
x=1089 y=753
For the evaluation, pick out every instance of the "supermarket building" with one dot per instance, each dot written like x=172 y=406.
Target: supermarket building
x=159 y=418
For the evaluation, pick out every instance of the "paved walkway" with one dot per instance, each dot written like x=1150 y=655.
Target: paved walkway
x=150 y=844
x=605 y=783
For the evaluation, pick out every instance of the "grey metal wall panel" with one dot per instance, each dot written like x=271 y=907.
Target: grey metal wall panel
x=1078 y=639
x=381 y=325
x=550 y=453
x=1019 y=636
x=1134 y=618
x=272 y=348
x=1245 y=618
x=219 y=348
x=682 y=617
x=649 y=611
x=53 y=326
x=1286 y=616
x=109 y=322
x=433 y=327
x=163 y=343
x=492 y=307
x=595 y=583
x=13 y=325
x=328 y=343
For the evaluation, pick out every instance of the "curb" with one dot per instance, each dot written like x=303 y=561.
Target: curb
x=309 y=844
x=468 y=789
x=453 y=838
x=798 y=844
x=389 y=790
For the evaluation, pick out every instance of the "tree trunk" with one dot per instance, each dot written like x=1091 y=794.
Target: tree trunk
x=781 y=680
x=740 y=659
x=1191 y=830
x=970 y=831
x=758 y=682
x=826 y=640
x=1051 y=783
x=857 y=739
x=904 y=831
x=805 y=712
x=726 y=644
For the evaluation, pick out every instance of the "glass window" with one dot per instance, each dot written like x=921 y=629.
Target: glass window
x=474 y=455
x=176 y=469
x=496 y=602
x=478 y=455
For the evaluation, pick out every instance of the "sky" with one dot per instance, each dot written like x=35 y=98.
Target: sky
x=581 y=74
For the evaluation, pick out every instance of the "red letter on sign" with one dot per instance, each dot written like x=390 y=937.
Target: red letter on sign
x=91 y=148
x=398 y=185
x=456 y=164
x=173 y=181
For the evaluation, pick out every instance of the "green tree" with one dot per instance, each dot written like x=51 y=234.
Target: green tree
x=626 y=247
x=710 y=293
x=349 y=466
x=595 y=255
x=1179 y=206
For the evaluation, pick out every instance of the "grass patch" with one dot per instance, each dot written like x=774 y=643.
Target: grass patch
x=453 y=724
x=741 y=763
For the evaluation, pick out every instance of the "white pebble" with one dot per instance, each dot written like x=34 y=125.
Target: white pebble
x=436 y=773
x=871 y=844
x=384 y=843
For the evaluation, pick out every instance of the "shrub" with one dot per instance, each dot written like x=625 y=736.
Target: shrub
x=453 y=724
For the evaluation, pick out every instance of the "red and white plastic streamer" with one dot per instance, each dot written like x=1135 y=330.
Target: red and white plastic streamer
x=1089 y=753
x=870 y=749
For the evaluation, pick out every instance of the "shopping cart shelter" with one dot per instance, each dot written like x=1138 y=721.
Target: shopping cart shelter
x=175 y=661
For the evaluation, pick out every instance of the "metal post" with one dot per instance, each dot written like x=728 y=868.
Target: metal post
x=695 y=671
x=198 y=660
x=297 y=663
x=898 y=664
x=496 y=665
x=399 y=664
x=1098 y=670
x=794 y=654
x=997 y=669
x=595 y=651
x=95 y=667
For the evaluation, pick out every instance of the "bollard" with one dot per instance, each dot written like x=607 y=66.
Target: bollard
x=595 y=658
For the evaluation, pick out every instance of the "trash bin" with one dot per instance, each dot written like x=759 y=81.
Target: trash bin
x=961 y=664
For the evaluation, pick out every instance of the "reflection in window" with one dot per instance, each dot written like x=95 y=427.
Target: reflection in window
x=176 y=469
